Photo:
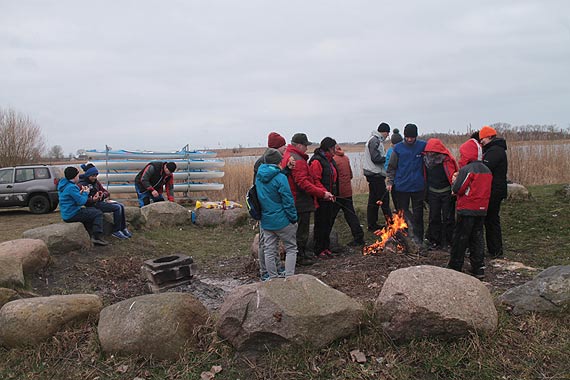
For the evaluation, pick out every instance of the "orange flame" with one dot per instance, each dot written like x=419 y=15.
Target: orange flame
x=396 y=224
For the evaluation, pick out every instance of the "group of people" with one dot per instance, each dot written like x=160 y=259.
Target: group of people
x=464 y=197
x=82 y=198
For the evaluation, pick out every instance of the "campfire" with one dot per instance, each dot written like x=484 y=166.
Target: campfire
x=392 y=238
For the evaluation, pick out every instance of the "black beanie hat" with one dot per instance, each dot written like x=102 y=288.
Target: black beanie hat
x=411 y=130
x=70 y=172
x=396 y=136
x=171 y=166
x=328 y=143
x=272 y=156
x=384 y=127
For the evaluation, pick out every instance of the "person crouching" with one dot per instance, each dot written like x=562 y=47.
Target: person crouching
x=278 y=213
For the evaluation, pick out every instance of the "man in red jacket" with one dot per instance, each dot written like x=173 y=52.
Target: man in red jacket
x=472 y=185
x=305 y=190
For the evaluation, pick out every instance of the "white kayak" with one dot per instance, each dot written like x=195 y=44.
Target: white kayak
x=178 y=176
x=197 y=163
x=94 y=154
x=178 y=187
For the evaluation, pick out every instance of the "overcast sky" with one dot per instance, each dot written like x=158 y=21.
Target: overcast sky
x=158 y=75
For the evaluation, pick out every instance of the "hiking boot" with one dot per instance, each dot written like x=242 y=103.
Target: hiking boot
x=127 y=233
x=324 y=255
x=329 y=253
x=305 y=261
x=119 y=235
x=264 y=277
x=375 y=227
x=479 y=273
x=356 y=243
x=99 y=241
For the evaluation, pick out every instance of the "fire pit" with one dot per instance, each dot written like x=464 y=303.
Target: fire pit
x=393 y=238
x=167 y=272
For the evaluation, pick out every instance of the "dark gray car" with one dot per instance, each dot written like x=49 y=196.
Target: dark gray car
x=33 y=186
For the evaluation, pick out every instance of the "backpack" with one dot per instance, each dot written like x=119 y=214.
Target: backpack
x=252 y=202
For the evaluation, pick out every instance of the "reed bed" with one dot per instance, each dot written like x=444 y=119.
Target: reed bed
x=530 y=163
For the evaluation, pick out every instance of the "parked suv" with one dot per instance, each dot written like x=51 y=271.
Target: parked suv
x=33 y=186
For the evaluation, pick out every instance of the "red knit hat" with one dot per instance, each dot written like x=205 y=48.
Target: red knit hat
x=275 y=140
x=487 y=131
x=470 y=151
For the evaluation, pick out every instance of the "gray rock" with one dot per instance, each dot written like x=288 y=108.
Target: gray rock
x=155 y=324
x=165 y=214
x=517 y=192
x=11 y=273
x=296 y=310
x=133 y=216
x=33 y=253
x=32 y=320
x=61 y=237
x=216 y=217
x=564 y=192
x=548 y=291
x=7 y=295
x=425 y=301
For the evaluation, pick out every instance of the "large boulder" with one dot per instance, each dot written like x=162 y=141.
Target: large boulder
x=61 y=237
x=564 y=192
x=7 y=295
x=11 y=273
x=32 y=320
x=216 y=217
x=166 y=214
x=517 y=192
x=427 y=301
x=296 y=310
x=548 y=291
x=133 y=217
x=33 y=253
x=160 y=325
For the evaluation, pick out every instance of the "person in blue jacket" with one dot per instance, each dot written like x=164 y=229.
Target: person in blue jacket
x=72 y=198
x=278 y=213
x=406 y=176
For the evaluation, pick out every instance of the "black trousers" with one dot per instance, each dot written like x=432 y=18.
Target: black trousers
x=92 y=219
x=468 y=234
x=377 y=192
x=347 y=207
x=493 y=232
x=302 y=233
x=416 y=215
x=441 y=218
x=323 y=226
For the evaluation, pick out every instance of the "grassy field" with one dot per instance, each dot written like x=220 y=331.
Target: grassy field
x=536 y=233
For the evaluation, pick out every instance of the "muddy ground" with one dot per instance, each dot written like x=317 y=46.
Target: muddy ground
x=113 y=272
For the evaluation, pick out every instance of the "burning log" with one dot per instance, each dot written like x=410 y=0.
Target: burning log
x=393 y=238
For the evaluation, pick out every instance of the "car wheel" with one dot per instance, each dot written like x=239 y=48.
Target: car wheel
x=39 y=204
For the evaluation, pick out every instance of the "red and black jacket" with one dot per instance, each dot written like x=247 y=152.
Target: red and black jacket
x=153 y=177
x=473 y=189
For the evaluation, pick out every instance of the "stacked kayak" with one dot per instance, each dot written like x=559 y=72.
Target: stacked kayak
x=118 y=168
x=147 y=155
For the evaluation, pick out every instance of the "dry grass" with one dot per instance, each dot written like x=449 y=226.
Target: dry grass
x=530 y=163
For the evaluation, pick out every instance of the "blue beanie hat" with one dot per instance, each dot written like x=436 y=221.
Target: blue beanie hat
x=89 y=169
